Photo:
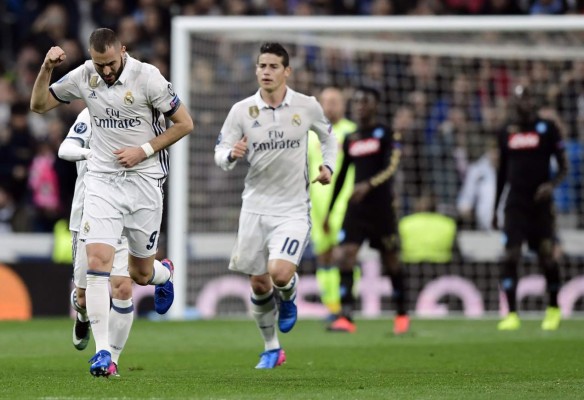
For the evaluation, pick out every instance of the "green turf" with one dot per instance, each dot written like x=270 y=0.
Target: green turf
x=440 y=359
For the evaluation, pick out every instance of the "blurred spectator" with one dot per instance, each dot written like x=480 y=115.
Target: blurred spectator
x=7 y=98
x=44 y=184
x=476 y=199
x=450 y=150
x=16 y=152
x=462 y=96
x=465 y=7
x=501 y=7
x=50 y=27
x=108 y=13
x=548 y=7
x=7 y=210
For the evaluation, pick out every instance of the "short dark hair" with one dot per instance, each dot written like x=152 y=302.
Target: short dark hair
x=277 y=49
x=102 y=38
x=370 y=90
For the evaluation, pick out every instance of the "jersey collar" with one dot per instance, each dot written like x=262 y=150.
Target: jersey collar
x=262 y=104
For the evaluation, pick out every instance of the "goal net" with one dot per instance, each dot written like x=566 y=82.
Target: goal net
x=445 y=82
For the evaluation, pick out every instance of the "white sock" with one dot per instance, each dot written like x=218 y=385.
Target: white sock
x=161 y=274
x=288 y=292
x=264 y=311
x=120 y=322
x=97 y=300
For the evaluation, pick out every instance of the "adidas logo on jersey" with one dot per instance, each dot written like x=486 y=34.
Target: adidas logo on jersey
x=256 y=124
x=92 y=95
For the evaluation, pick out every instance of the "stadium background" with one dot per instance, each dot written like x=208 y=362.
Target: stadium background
x=418 y=89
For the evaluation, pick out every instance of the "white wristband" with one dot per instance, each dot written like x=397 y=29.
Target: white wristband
x=147 y=147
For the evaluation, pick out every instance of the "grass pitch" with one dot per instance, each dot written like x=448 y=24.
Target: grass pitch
x=440 y=359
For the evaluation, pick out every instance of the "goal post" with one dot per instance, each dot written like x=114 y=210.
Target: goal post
x=212 y=66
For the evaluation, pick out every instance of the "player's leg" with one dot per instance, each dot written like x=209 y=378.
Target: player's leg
x=546 y=243
x=514 y=228
x=508 y=281
x=288 y=239
x=391 y=264
x=346 y=262
x=100 y=258
x=249 y=256
x=383 y=236
x=328 y=279
x=101 y=228
x=142 y=229
x=81 y=327
x=265 y=313
x=122 y=312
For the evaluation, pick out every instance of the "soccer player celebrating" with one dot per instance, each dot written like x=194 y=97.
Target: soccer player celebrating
x=327 y=274
x=526 y=147
x=75 y=147
x=269 y=130
x=127 y=102
x=375 y=153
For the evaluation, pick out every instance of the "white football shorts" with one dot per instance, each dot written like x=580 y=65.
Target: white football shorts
x=120 y=267
x=261 y=238
x=126 y=204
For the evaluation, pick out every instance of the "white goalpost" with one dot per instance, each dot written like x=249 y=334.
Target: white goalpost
x=408 y=59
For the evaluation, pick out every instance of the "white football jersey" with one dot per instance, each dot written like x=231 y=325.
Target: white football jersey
x=277 y=180
x=80 y=131
x=127 y=114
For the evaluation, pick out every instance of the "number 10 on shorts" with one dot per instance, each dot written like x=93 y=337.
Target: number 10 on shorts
x=290 y=246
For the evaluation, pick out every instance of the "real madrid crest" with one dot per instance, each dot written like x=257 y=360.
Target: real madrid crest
x=86 y=227
x=93 y=81
x=128 y=99
x=296 y=121
x=254 y=111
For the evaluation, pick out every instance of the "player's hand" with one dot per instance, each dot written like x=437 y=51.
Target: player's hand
x=324 y=175
x=544 y=192
x=239 y=149
x=54 y=57
x=130 y=156
x=360 y=190
x=325 y=224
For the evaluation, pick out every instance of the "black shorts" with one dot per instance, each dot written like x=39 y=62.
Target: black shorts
x=531 y=222
x=379 y=228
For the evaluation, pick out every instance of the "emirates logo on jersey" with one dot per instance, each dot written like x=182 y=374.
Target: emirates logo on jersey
x=523 y=140
x=364 y=147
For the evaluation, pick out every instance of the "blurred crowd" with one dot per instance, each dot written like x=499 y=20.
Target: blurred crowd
x=36 y=187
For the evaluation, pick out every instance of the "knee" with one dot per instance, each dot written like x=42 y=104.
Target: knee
x=261 y=284
x=140 y=278
x=282 y=278
x=122 y=289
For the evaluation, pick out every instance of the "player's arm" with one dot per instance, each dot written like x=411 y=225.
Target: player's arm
x=231 y=144
x=501 y=174
x=545 y=190
x=182 y=125
x=73 y=150
x=342 y=174
x=74 y=147
x=392 y=165
x=41 y=99
x=328 y=145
